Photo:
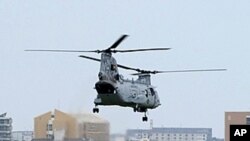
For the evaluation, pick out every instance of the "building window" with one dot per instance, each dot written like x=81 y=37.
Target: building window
x=248 y=120
x=49 y=127
x=49 y=136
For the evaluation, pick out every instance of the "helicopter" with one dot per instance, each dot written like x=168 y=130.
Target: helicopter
x=113 y=89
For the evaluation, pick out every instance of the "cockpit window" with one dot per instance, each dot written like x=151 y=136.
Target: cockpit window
x=152 y=91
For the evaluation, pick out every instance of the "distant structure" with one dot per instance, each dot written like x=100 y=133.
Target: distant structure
x=22 y=135
x=117 y=137
x=60 y=126
x=169 y=134
x=235 y=118
x=5 y=127
x=217 y=139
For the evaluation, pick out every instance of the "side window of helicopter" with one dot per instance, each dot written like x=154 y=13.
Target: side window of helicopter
x=146 y=93
x=117 y=77
x=152 y=91
x=113 y=67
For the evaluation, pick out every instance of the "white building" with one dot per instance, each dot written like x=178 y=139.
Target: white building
x=117 y=137
x=22 y=135
x=5 y=127
x=169 y=134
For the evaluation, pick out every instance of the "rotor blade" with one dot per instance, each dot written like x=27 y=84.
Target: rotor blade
x=118 y=65
x=118 y=42
x=154 y=72
x=139 y=73
x=151 y=72
x=96 y=51
x=135 y=50
x=127 y=68
x=91 y=58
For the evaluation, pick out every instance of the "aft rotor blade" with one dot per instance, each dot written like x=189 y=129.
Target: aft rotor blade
x=136 y=50
x=91 y=58
x=96 y=51
x=127 y=68
x=118 y=42
x=154 y=72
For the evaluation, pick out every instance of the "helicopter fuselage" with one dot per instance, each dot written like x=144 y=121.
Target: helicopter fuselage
x=127 y=93
x=112 y=89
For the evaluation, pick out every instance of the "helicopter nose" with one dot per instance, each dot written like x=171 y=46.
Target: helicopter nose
x=157 y=103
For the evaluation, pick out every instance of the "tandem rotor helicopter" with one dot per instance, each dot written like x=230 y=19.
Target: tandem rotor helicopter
x=113 y=89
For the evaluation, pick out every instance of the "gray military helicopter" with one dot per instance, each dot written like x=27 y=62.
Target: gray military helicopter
x=113 y=89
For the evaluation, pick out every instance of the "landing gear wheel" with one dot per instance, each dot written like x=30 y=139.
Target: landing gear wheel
x=135 y=108
x=145 y=119
x=95 y=110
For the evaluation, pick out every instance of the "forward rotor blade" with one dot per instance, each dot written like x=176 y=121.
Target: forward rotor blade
x=99 y=51
x=135 y=50
x=118 y=42
x=95 y=51
x=91 y=58
x=189 y=71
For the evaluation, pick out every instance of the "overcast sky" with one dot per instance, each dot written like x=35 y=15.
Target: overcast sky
x=203 y=34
